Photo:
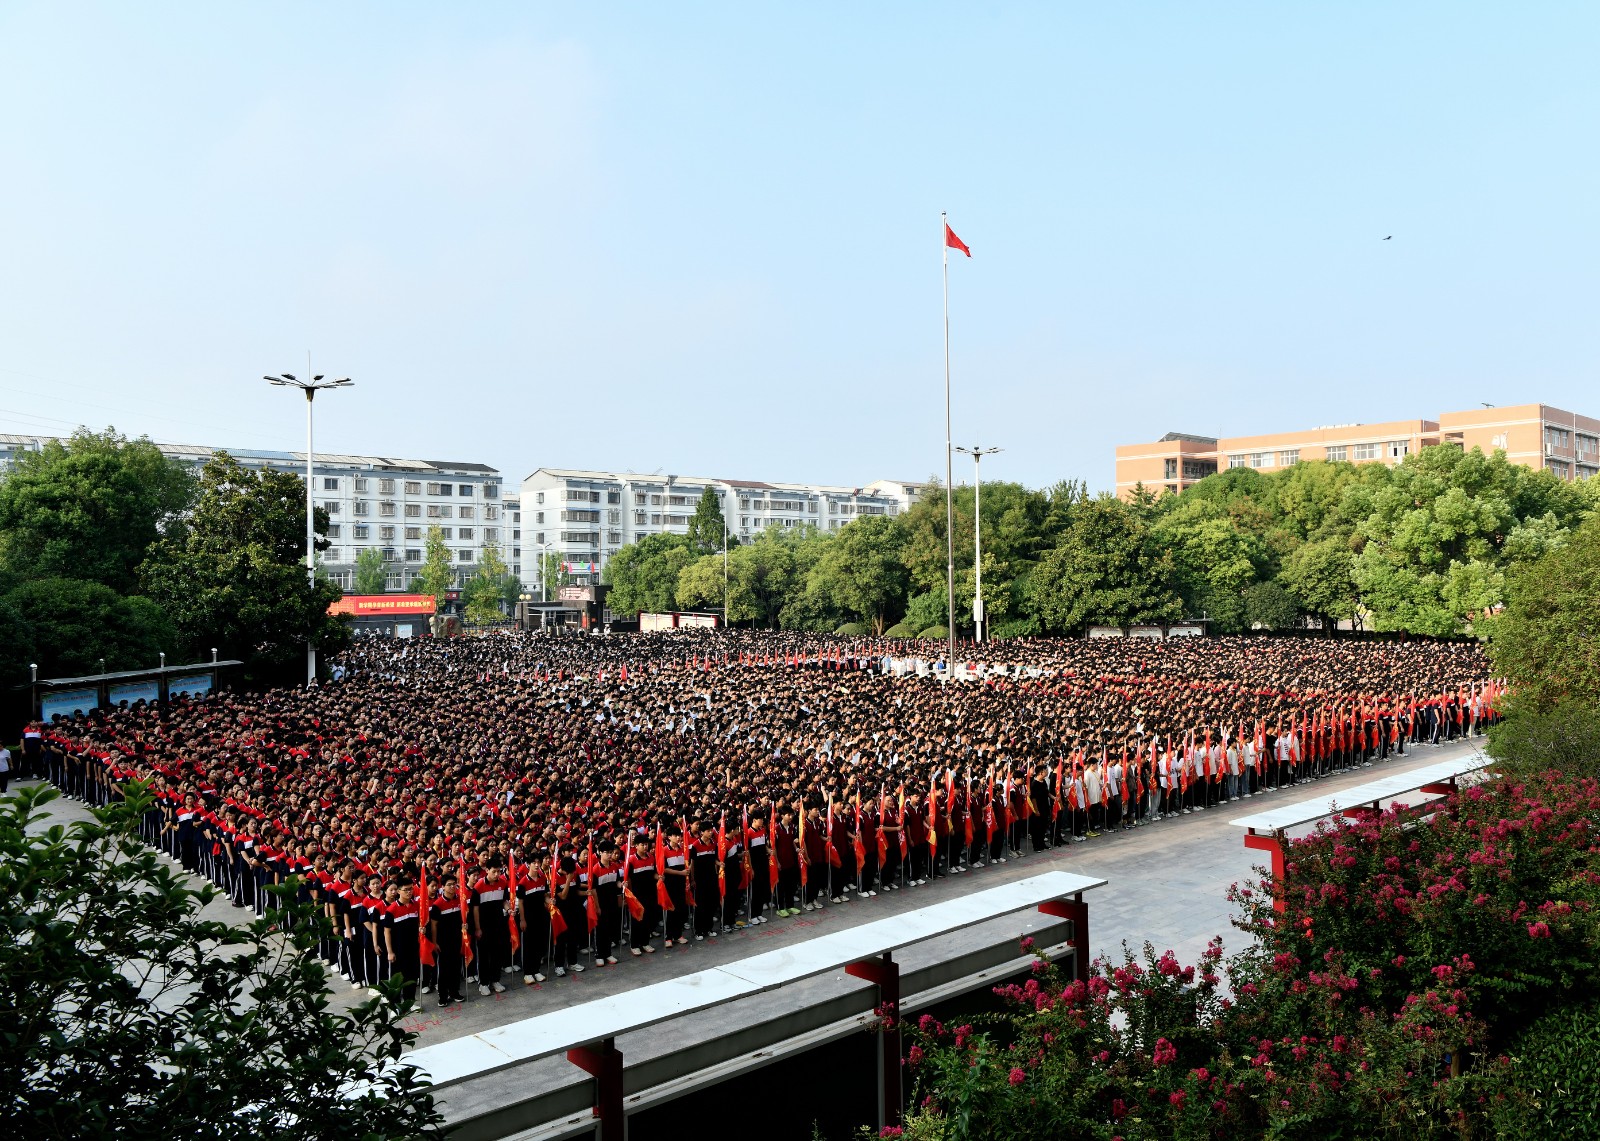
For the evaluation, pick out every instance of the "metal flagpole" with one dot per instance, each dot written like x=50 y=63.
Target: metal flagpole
x=949 y=501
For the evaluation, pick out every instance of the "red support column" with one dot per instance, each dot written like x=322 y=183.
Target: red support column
x=1076 y=912
x=1274 y=845
x=884 y=973
x=605 y=1063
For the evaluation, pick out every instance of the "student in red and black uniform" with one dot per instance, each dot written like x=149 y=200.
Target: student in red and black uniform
x=784 y=851
x=815 y=854
x=533 y=894
x=607 y=887
x=677 y=861
x=707 y=898
x=445 y=930
x=571 y=900
x=759 y=852
x=401 y=941
x=490 y=930
x=641 y=873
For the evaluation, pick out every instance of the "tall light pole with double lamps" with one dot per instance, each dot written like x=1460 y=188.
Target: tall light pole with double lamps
x=310 y=387
x=977 y=455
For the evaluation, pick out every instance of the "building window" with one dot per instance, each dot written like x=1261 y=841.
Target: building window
x=464 y=490
x=1398 y=449
x=1557 y=438
x=1588 y=448
x=1338 y=453
x=392 y=581
x=539 y=498
x=413 y=488
x=464 y=556
x=539 y=537
x=1260 y=459
x=491 y=513
x=1367 y=451
x=388 y=554
x=330 y=483
x=331 y=507
x=464 y=532
x=1289 y=458
x=438 y=511
x=1169 y=470
x=466 y=512
x=614 y=537
x=361 y=484
x=413 y=554
x=613 y=497
x=446 y=533
x=360 y=531
x=333 y=530
x=1238 y=461
x=491 y=534
x=386 y=533
x=413 y=532
x=386 y=487
x=361 y=507
x=491 y=491
x=1559 y=467
x=413 y=511
x=386 y=508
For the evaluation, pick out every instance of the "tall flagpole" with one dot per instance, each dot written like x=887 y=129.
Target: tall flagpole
x=949 y=501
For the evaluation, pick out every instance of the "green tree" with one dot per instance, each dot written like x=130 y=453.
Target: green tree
x=1547 y=641
x=235 y=577
x=372 y=576
x=485 y=592
x=73 y=624
x=1216 y=559
x=89 y=508
x=644 y=575
x=131 y=1016
x=706 y=526
x=1267 y=606
x=438 y=574
x=1106 y=570
x=1321 y=576
x=17 y=649
x=701 y=585
x=860 y=569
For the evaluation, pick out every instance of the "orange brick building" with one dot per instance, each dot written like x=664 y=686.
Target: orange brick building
x=1535 y=435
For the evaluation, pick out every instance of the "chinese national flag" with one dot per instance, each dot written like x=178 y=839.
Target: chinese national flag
x=425 y=946
x=461 y=897
x=954 y=242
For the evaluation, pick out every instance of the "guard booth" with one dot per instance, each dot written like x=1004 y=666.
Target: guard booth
x=574 y=608
x=66 y=697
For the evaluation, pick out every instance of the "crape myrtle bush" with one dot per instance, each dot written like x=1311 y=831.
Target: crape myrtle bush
x=1394 y=995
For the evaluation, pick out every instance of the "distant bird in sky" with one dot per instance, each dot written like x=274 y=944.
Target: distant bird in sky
x=1390 y=236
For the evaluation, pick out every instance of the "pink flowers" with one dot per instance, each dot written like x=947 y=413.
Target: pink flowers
x=914 y=1056
x=1017 y=1076
x=1165 y=1053
x=1176 y=1098
x=1539 y=930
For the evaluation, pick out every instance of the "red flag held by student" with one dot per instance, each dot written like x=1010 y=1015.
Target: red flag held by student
x=593 y=871
x=461 y=897
x=426 y=947
x=663 y=897
x=511 y=905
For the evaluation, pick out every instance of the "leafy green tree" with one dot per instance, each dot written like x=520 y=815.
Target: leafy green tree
x=1321 y=577
x=17 y=649
x=485 y=592
x=553 y=574
x=235 y=577
x=1547 y=641
x=372 y=576
x=644 y=575
x=771 y=573
x=1106 y=570
x=131 y=1016
x=72 y=625
x=438 y=574
x=861 y=570
x=700 y=585
x=1562 y=739
x=706 y=526
x=1216 y=560
x=89 y=508
x=930 y=608
x=1267 y=606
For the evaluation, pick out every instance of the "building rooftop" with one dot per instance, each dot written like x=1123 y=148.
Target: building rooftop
x=1171 y=437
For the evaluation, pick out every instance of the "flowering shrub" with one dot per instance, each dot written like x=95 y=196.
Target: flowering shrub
x=1381 y=1001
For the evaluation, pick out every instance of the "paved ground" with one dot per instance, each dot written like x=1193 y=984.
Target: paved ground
x=1167 y=884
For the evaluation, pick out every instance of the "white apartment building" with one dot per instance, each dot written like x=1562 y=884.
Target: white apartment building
x=588 y=516
x=378 y=502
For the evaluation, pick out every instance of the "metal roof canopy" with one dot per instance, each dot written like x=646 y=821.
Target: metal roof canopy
x=552 y=1034
x=151 y=672
x=1303 y=812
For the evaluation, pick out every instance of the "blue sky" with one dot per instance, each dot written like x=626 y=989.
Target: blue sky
x=705 y=237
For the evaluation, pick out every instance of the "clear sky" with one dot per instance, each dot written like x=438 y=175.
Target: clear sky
x=704 y=238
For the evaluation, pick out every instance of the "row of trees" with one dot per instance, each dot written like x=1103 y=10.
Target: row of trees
x=1423 y=546
x=112 y=554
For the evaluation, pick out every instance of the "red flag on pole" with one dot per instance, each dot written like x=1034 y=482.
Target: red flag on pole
x=558 y=922
x=425 y=946
x=663 y=897
x=511 y=906
x=593 y=871
x=722 y=859
x=461 y=897
x=954 y=242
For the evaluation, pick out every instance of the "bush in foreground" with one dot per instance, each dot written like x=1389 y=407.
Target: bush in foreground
x=1405 y=990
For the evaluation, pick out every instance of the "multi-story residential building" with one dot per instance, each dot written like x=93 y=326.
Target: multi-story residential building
x=585 y=517
x=378 y=502
x=1535 y=435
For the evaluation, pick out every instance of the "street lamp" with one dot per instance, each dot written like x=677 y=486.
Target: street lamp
x=977 y=455
x=310 y=387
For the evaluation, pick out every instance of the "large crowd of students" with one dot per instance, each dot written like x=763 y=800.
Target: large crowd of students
x=515 y=806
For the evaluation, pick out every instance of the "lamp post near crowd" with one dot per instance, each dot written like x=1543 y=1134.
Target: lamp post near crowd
x=310 y=387
x=977 y=455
